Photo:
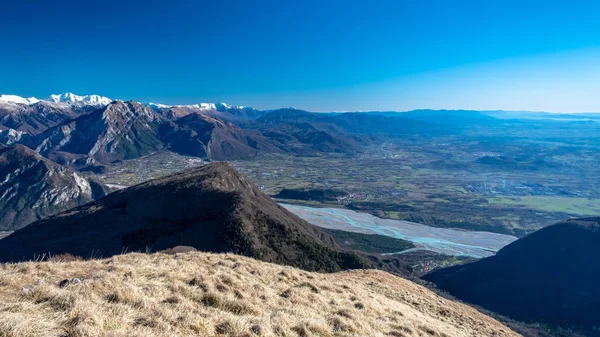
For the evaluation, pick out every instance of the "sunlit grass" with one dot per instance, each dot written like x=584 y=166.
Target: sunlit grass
x=200 y=294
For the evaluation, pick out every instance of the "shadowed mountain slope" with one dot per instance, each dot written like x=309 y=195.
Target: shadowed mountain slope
x=211 y=208
x=550 y=276
x=33 y=187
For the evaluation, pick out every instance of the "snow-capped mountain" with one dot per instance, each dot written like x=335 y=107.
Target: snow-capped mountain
x=67 y=97
x=200 y=106
x=157 y=105
x=97 y=100
x=18 y=99
x=87 y=99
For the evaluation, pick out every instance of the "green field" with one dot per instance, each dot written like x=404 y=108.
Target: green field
x=575 y=206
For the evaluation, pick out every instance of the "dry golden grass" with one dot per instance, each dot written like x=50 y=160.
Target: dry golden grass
x=200 y=294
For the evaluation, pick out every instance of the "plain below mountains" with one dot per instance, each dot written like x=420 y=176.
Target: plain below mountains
x=32 y=187
x=550 y=276
x=211 y=208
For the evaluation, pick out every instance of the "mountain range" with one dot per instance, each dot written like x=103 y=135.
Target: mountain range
x=66 y=98
x=91 y=132
x=82 y=131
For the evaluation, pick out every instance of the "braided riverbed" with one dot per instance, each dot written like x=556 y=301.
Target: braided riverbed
x=441 y=240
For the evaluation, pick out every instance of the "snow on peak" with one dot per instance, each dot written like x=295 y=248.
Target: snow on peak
x=208 y=106
x=228 y=106
x=156 y=105
x=199 y=106
x=18 y=99
x=87 y=99
x=96 y=100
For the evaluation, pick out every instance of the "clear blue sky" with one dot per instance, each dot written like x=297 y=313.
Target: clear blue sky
x=318 y=55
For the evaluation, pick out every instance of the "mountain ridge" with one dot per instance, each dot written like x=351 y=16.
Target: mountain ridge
x=210 y=208
x=68 y=97
x=71 y=98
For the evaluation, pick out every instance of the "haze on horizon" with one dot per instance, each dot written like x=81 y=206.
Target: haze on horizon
x=320 y=56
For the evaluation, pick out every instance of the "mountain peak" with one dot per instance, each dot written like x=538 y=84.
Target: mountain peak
x=218 y=176
x=68 y=97
x=219 y=106
x=126 y=110
x=18 y=99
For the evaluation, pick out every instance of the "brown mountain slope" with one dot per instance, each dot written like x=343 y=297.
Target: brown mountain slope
x=32 y=187
x=201 y=135
x=121 y=130
x=211 y=208
x=128 y=130
x=200 y=294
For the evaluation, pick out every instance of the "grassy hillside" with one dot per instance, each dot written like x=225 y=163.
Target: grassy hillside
x=201 y=294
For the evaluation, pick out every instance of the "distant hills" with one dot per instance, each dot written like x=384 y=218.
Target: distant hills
x=550 y=276
x=211 y=208
x=79 y=135
x=33 y=187
x=206 y=136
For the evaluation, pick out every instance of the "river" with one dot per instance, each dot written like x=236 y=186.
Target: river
x=441 y=240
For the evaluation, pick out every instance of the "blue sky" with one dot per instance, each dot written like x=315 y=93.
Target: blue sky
x=318 y=55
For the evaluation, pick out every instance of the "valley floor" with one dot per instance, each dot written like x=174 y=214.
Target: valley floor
x=409 y=182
